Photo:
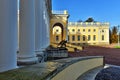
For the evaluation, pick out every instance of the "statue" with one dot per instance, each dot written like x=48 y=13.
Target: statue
x=62 y=43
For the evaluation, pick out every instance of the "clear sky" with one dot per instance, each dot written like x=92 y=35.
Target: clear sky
x=100 y=10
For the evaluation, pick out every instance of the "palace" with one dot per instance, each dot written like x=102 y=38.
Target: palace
x=25 y=34
x=79 y=33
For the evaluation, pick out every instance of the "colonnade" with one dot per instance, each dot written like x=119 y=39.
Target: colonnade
x=33 y=32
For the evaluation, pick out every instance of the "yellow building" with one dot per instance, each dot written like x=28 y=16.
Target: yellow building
x=93 y=33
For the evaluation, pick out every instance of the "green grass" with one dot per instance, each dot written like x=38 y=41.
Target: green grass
x=118 y=47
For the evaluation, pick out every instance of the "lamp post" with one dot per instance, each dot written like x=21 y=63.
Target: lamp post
x=118 y=36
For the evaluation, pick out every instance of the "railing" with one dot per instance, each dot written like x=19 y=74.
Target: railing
x=88 y=24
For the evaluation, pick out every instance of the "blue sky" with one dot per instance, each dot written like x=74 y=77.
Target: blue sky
x=100 y=10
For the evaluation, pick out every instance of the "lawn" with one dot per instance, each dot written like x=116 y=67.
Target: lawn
x=118 y=47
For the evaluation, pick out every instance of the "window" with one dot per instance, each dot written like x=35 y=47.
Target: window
x=73 y=30
x=94 y=37
x=88 y=30
x=78 y=30
x=89 y=37
x=102 y=30
x=102 y=37
x=68 y=38
x=83 y=37
x=78 y=37
x=94 y=30
x=73 y=38
x=57 y=38
x=57 y=30
x=83 y=30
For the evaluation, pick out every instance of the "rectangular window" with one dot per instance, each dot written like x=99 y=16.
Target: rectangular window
x=68 y=38
x=83 y=37
x=73 y=37
x=57 y=38
x=78 y=37
x=89 y=37
x=102 y=37
x=94 y=37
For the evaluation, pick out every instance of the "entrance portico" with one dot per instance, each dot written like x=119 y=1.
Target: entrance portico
x=26 y=31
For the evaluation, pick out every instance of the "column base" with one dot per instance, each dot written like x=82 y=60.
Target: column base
x=7 y=67
x=27 y=60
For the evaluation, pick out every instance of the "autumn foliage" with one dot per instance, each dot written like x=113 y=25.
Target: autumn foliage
x=114 y=35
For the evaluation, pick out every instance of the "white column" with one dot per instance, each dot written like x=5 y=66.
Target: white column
x=44 y=35
x=38 y=25
x=8 y=37
x=27 y=32
x=44 y=26
x=47 y=31
x=39 y=29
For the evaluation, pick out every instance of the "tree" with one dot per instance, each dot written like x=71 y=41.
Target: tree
x=114 y=36
x=90 y=20
x=114 y=30
x=79 y=20
x=110 y=33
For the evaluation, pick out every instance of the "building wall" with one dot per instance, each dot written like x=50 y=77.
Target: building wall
x=95 y=30
x=58 y=18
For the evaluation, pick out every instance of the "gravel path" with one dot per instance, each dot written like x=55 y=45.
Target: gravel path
x=112 y=55
x=90 y=75
x=110 y=73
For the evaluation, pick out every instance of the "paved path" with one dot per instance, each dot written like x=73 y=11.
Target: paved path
x=112 y=55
